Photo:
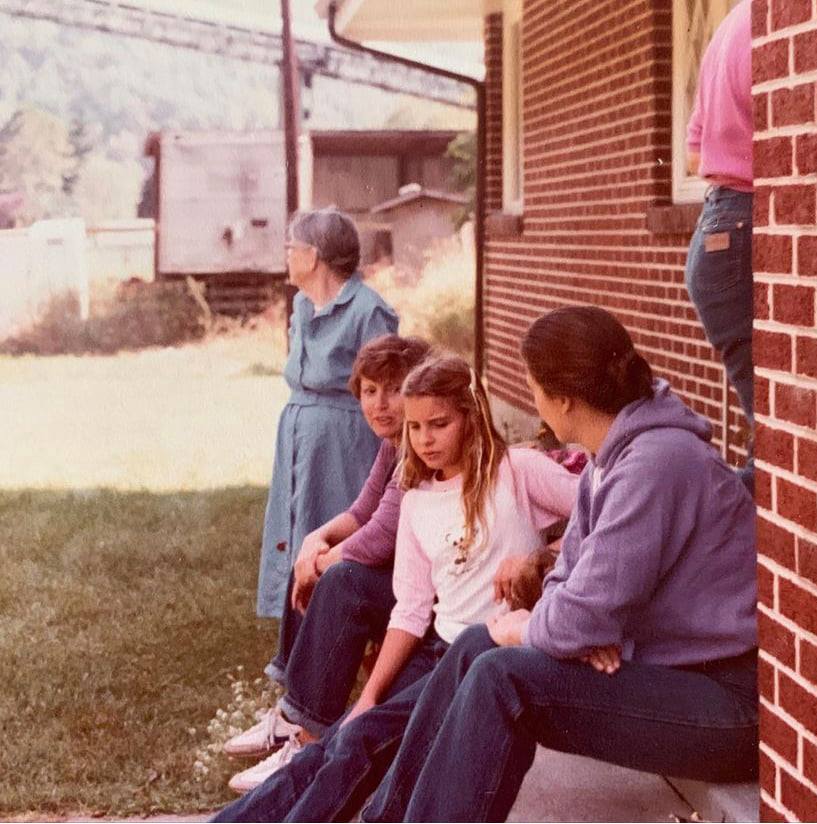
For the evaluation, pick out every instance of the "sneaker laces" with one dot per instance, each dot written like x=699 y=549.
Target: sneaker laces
x=292 y=746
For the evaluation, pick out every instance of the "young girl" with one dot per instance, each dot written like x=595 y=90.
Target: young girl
x=342 y=580
x=471 y=503
x=642 y=649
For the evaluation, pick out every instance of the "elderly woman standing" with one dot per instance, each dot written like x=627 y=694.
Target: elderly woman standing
x=324 y=448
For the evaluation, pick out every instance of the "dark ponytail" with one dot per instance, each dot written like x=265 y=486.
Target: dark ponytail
x=584 y=352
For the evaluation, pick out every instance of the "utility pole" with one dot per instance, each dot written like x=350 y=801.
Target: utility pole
x=291 y=92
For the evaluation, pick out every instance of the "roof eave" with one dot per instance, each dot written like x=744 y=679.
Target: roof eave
x=410 y=20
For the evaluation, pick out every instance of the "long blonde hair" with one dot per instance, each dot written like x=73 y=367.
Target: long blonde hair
x=450 y=377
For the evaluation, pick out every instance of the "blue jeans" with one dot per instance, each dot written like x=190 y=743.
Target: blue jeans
x=332 y=778
x=720 y=284
x=319 y=653
x=483 y=710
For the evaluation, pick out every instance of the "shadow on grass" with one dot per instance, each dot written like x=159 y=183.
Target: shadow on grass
x=123 y=614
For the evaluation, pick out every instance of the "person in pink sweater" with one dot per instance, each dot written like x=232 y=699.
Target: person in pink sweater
x=719 y=149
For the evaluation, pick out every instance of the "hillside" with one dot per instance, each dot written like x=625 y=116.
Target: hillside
x=93 y=97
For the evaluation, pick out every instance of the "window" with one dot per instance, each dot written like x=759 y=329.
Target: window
x=512 y=133
x=693 y=23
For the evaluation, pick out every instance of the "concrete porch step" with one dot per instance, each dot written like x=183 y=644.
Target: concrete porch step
x=562 y=787
x=721 y=802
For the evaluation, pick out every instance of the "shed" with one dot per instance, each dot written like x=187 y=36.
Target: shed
x=358 y=171
x=221 y=213
x=417 y=218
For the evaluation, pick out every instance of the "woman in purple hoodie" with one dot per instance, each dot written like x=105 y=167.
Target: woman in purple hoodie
x=642 y=648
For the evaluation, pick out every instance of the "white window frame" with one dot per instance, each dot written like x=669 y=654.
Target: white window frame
x=512 y=117
x=687 y=188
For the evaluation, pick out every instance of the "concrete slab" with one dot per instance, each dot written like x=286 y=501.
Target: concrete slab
x=721 y=802
x=563 y=787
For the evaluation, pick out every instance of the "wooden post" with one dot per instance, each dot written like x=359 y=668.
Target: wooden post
x=291 y=92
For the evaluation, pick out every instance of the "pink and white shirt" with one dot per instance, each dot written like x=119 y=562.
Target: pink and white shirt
x=532 y=492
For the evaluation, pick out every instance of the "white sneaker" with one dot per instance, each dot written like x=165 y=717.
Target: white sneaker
x=268 y=735
x=250 y=778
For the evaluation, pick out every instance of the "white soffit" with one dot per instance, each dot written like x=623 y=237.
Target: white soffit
x=410 y=20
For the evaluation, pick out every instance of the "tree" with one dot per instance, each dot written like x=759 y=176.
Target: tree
x=463 y=151
x=36 y=156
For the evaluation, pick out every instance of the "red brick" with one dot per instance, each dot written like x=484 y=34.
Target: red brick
x=807 y=458
x=761 y=393
x=767 y=812
x=772 y=350
x=790 y=13
x=791 y=107
x=795 y=405
x=775 y=639
x=797 y=503
x=765 y=586
x=762 y=200
x=774 y=446
x=795 y=205
x=809 y=761
x=805 y=151
x=772 y=253
x=808 y=661
x=796 y=701
x=770 y=61
x=761 y=301
x=775 y=732
x=805 y=52
x=794 y=304
x=772 y=157
x=807 y=356
x=807 y=256
x=765 y=679
x=799 y=605
x=763 y=488
x=760 y=18
x=760 y=112
x=797 y=797
x=807 y=562
x=768 y=771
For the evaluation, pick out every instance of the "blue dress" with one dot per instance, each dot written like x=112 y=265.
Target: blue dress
x=324 y=447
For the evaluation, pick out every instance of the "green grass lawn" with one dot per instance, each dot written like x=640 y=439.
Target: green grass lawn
x=123 y=614
x=132 y=493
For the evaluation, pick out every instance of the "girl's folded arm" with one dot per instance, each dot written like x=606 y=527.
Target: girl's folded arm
x=550 y=488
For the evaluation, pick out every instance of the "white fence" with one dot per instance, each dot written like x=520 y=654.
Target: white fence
x=53 y=257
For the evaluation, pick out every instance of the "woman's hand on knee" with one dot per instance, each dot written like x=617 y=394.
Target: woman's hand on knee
x=604 y=659
x=306 y=571
x=506 y=630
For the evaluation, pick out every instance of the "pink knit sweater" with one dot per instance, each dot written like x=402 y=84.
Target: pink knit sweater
x=720 y=128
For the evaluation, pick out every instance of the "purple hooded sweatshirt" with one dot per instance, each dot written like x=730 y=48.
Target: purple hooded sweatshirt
x=659 y=554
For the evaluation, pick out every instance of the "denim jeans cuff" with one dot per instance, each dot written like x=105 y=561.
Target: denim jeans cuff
x=297 y=715
x=276 y=673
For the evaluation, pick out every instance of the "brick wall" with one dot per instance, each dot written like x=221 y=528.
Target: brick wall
x=597 y=141
x=785 y=263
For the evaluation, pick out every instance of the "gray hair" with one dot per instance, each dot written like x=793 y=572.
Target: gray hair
x=334 y=236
